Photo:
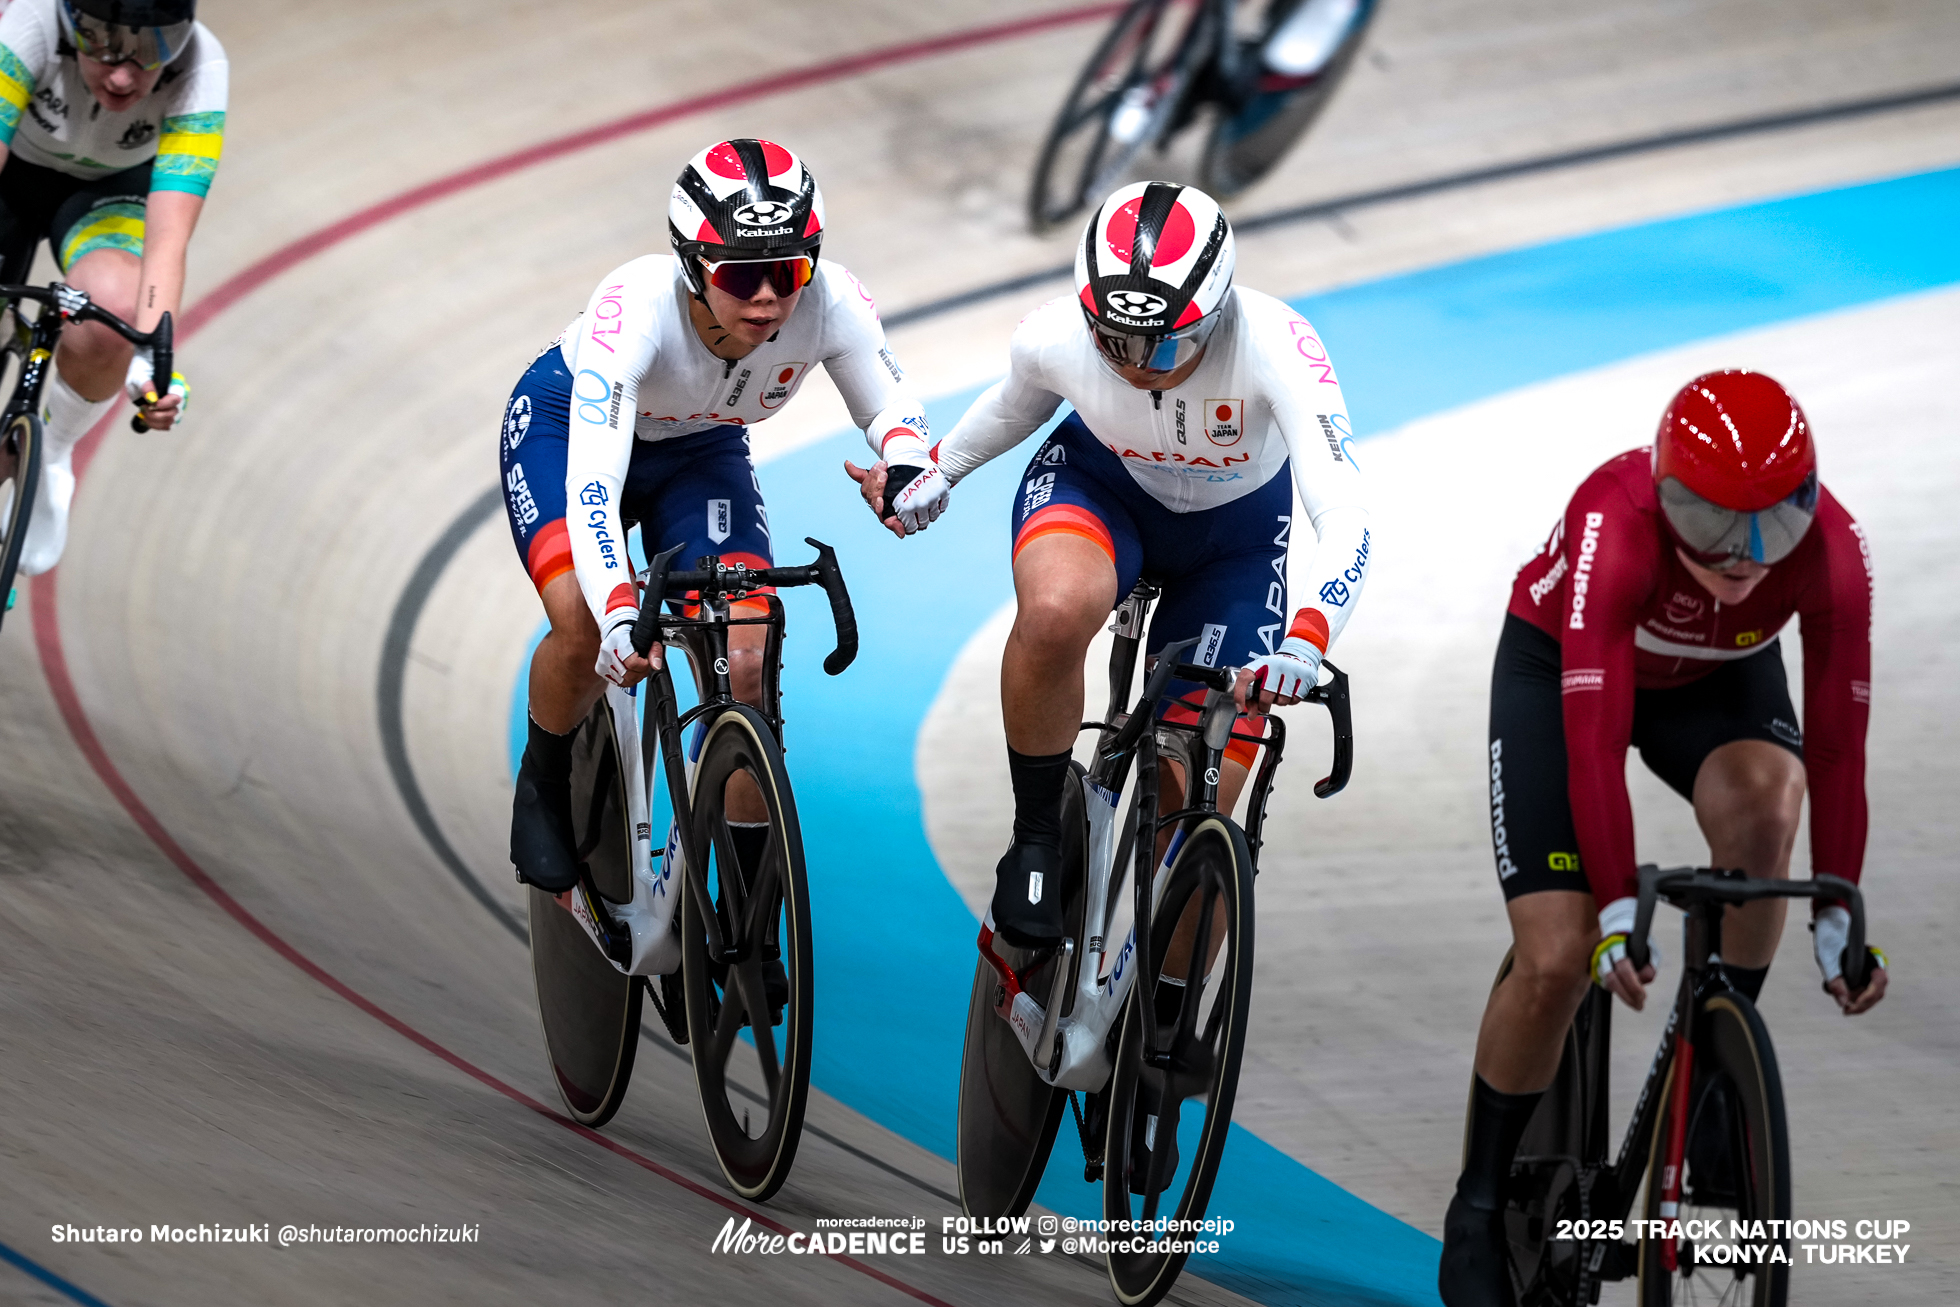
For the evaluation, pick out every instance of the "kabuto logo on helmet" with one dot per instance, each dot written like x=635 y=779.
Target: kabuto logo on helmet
x=1136 y=304
x=767 y=213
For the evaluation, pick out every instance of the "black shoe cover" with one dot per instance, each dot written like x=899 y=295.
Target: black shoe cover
x=1474 y=1270
x=1028 y=896
x=1142 y=1136
x=775 y=992
x=541 y=830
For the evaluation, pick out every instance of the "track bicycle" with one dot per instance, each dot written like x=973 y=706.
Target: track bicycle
x=1162 y=61
x=720 y=943
x=33 y=345
x=1157 y=1065
x=1708 y=1133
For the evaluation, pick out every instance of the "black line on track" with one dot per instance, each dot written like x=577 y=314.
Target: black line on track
x=1477 y=176
x=388 y=699
x=662 y=1042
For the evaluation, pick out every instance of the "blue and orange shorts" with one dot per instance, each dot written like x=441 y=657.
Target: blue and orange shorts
x=1222 y=571
x=698 y=491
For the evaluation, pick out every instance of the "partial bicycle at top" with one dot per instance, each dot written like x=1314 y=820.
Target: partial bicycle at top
x=1261 y=73
x=23 y=438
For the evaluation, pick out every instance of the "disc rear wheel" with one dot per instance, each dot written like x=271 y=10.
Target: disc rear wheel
x=589 y=1010
x=1008 y=1115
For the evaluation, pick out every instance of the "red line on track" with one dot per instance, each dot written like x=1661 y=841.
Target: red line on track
x=45 y=607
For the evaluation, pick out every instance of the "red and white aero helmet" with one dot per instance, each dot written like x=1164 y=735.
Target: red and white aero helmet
x=747 y=202
x=1735 y=469
x=1153 y=267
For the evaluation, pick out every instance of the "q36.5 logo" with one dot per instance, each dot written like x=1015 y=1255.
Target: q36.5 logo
x=1137 y=304
x=763 y=213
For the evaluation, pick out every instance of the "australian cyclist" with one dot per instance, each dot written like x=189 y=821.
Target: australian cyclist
x=1651 y=619
x=1192 y=399
x=112 y=115
x=640 y=412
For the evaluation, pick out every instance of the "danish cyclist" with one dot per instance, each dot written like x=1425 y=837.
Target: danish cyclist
x=1192 y=400
x=640 y=412
x=1651 y=619
x=112 y=114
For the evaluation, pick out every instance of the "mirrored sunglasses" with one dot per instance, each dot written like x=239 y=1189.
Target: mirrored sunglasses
x=743 y=278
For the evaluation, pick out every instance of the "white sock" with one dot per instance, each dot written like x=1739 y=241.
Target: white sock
x=67 y=417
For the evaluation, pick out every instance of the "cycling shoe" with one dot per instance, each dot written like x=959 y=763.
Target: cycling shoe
x=541 y=844
x=1145 y=1137
x=1474 y=1271
x=1028 y=896
x=775 y=992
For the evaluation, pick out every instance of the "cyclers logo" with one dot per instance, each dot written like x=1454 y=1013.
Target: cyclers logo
x=1500 y=837
x=1337 y=592
x=1582 y=574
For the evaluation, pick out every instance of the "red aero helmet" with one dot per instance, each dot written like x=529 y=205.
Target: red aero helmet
x=1735 y=469
x=749 y=205
x=1152 y=268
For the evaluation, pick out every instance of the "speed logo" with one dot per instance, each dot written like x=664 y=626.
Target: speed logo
x=1224 y=420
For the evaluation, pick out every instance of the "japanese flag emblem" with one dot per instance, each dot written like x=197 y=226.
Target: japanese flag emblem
x=1224 y=420
x=781 y=381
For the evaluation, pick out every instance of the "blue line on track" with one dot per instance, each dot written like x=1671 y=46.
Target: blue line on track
x=894 y=939
x=49 y=1278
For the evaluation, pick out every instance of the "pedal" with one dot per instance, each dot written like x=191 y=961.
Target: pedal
x=673 y=1010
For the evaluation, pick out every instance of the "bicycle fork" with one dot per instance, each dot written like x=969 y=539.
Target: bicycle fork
x=1677 y=1137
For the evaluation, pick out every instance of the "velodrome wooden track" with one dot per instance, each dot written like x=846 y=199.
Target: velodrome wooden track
x=237 y=982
